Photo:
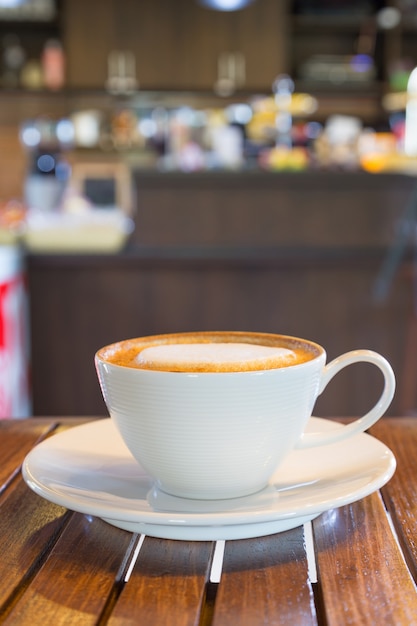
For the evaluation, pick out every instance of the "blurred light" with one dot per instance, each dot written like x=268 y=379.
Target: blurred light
x=86 y=128
x=62 y=171
x=9 y=4
x=304 y=104
x=46 y=163
x=160 y=115
x=185 y=115
x=283 y=123
x=239 y=113
x=283 y=84
x=388 y=18
x=30 y=136
x=200 y=118
x=226 y=5
x=361 y=63
x=65 y=131
x=313 y=129
x=147 y=127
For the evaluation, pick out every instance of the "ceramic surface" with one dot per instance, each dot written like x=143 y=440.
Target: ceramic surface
x=221 y=435
x=89 y=469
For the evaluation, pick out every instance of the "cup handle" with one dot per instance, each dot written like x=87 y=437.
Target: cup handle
x=309 y=440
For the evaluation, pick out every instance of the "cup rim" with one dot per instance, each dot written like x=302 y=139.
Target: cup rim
x=163 y=337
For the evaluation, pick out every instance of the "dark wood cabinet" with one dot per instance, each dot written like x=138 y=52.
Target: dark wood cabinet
x=88 y=37
x=176 y=45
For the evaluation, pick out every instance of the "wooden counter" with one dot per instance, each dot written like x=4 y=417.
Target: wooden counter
x=255 y=208
x=297 y=254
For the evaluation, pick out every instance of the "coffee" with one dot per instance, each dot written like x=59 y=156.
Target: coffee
x=211 y=352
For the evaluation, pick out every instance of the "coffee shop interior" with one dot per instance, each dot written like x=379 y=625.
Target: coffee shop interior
x=175 y=166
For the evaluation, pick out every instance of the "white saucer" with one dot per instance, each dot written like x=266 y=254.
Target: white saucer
x=89 y=469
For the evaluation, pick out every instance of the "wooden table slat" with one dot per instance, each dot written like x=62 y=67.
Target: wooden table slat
x=167 y=585
x=74 y=586
x=265 y=581
x=358 y=559
x=29 y=526
x=400 y=493
x=17 y=439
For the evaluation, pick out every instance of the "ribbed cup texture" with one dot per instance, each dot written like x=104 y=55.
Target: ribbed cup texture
x=210 y=435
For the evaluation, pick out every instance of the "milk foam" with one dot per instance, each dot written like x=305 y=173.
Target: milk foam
x=213 y=356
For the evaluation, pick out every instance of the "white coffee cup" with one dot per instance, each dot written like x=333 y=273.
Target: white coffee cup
x=222 y=434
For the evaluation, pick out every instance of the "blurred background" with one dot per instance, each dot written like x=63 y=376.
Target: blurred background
x=204 y=164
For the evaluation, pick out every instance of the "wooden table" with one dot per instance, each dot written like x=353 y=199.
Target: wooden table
x=60 y=567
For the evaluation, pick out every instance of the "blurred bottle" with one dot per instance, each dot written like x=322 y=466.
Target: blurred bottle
x=53 y=65
x=46 y=181
x=13 y=58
